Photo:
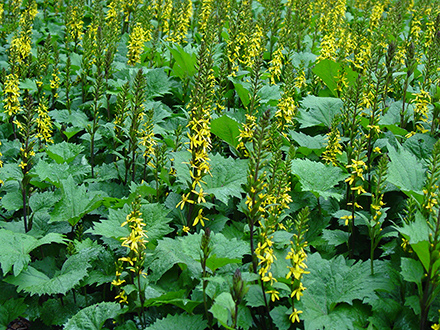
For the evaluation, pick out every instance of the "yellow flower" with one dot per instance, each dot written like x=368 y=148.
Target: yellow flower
x=435 y=326
x=185 y=229
x=274 y=295
x=118 y=282
x=185 y=199
x=294 y=316
x=199 y=218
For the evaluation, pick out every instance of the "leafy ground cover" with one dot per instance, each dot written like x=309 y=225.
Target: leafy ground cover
x=219 y=164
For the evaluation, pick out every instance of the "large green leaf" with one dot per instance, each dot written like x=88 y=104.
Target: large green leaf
x=222 y=309
x=154 y=216
x=329 y=70
x=228 y=175
x=34 y=281
x=158 y=82
x=64 y=152
x=94 y=317
x=174 y=298
x=405 y=170
x=226 y=129
x=185 y=65
x=15 y=249
x=412 y=270
x=318 y=111
x=180 y=321
x=10 y=310
x=181 y=251
x=331 y=283
x=317 y=177
x=75 y=202
x=417 y=233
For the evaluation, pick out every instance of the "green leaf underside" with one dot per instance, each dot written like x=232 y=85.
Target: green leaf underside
x=331 y=283
x=226 y=129
x=181 y=250
x=94 y=317
x=317 y=177
x=154 y=216
x=405 y=170
x=76 y=202
x=15 y=249
x=181 y=322
x=34 y=281
x=318 y=111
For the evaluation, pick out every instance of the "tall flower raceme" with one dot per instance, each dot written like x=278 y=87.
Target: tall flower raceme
x=2 y=10
x=422 y=101
x=297 y=258
x=130 y=268
x=377 y=210
x=21 y=43
x=44 y=122
x=287 y=106
x=275 y=198
x=11 y=92
x=199 y=135
x=207 y=6
x=355 y=185
x=333 y=147
x=239 y=31
x=182 y=22
x=138 y=37
x=276 y=64
x=74 y=22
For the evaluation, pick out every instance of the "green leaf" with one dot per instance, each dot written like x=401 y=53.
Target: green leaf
x=214 y=263
x=242 y=92
x=154 y=216
x=412 y=270
x=174 y=298
x=94 y=317
x=254 y=296
x=10 y=310
x=228 y=175
x=335 y=237
x=75 y=202
x=318 y=111
x=11 y=172
x=15 y=249
x=13 y=200
x=280 y=317
x=222 y=308
x=64 y=152
x=181 y=251
x=328 y=70
x=405 y=170
x=308 y=143
x=34 y=281
x=317 y=177
x=158 y=82
x=181 y=321
x=185 y=65
x=330 y=283
x=226 y=129
x=417 y=233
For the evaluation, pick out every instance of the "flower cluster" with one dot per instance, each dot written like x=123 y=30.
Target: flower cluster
x=422 y=101
x=297 y=257
x=136 y=243
x=44 y=122
x=333 y=148
x=138 y=37
x=11 y=93
x=356 y=178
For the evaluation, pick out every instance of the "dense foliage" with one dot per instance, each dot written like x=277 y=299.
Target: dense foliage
x=215 y=164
